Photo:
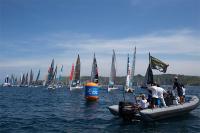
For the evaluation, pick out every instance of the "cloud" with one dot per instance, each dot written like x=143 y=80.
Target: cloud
x=179 y=48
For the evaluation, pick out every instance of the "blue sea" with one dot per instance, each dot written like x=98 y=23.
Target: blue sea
x=38 y=110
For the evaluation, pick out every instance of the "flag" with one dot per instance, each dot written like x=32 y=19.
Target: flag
x=148 y=76
x=158 y=64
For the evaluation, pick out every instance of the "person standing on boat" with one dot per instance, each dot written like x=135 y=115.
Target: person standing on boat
x=183 y=89
x=178 y=87
x=161 y=91
x=149 y=99
x=154 y=90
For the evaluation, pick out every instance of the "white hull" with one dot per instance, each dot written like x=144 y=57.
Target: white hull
x=166 y=112
x=51 y=87
x=162 y=113
x=76 y=88
x=6 y=85
x=114 y=109
x=112 y=88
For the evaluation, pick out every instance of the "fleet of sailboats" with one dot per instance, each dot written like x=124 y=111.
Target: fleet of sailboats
x=53 y=81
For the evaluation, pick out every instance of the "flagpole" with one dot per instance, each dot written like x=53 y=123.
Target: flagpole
x=149 y=59
x=150 y=63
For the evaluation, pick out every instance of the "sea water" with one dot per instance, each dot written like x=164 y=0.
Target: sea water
x=32 y=110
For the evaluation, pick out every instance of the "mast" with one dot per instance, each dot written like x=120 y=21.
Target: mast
x=128 y=73
x=149 y=59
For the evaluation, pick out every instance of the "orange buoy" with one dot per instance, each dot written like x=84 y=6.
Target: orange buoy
x=91 y=91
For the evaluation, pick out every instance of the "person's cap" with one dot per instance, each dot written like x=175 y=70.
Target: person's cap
x=175 y=77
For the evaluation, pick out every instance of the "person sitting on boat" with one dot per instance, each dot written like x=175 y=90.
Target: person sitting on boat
x=154 y=101
x=143 y=102
x=178 y=87
x=161 y=91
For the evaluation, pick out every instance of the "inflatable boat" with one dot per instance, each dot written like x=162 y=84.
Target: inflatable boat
x=127 y=111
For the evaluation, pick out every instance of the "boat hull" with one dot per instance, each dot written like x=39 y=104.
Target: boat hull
x=171 y=111
x=6 y=85
x=76 y=88
x=129 y=90
x=112 y=88
x=114 y=109
x=162 y=113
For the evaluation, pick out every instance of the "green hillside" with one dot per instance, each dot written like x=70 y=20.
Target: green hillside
x=163 y=79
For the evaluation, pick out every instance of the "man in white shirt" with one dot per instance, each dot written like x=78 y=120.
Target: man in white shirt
x=161 y=91
x=153 y=87
x=183 y=89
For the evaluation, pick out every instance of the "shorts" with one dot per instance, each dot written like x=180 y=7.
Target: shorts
x=154 y=101
x=158 y=102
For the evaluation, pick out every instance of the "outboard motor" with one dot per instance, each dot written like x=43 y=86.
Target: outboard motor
x=128 y=111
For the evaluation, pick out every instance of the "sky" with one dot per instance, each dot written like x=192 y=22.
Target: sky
x=33 y=32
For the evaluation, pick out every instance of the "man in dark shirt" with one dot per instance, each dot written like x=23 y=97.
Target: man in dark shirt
x=177 y=86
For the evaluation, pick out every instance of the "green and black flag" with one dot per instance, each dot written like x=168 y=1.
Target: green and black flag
x=158 y=64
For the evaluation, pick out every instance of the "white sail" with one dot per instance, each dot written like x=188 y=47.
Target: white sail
x=94 y=73
x=128 y=87
x=133 y=67
x=112 y=73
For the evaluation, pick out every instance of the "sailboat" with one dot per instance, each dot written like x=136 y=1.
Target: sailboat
x=112 y=74
x=51 y=76
x=130 y=74
x=37 y=79
x=7 y=82
x=60 y=83
x=94 y=72
x=133 y=68
x=22 y=80
x=50 y=73
x=75 y=82
x=31 y=79
x=128 y=87
x=26 y=80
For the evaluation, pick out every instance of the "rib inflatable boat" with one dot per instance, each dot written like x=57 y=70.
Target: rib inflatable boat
x=128 y=112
